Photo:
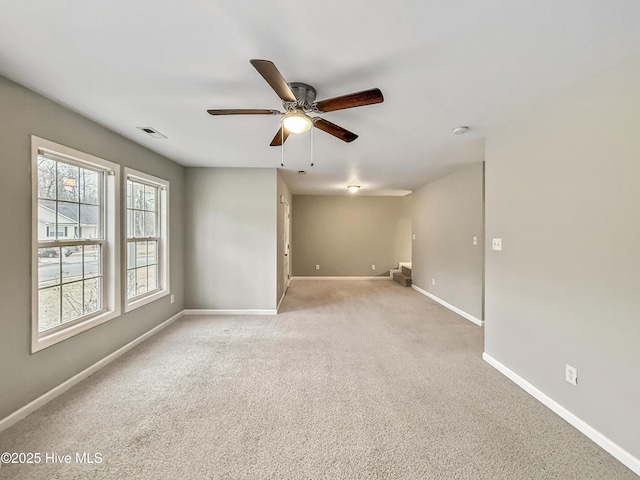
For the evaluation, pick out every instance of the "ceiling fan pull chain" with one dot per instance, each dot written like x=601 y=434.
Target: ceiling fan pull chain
x=282 y=142
x=311 y=147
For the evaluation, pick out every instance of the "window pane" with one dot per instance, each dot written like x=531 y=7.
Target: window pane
x=150 y=198
x=141 y=254
x=89 y=186
x=68 y=215
x=131 y=255
x=138 y=196
x=130 y=223
x=48 y=308
x=149 y=224
x=91 y=261
x=71 y=301
x=71 y=266
x=138 y=224
x=48 y=266
x=131 y=283
x=152 y=278
x=68 y=182
x=141 y=281
x=46 y=220
x=89 y=222
x=92 y=295
x=129 y=194
x=46 y=178
x=152 y=253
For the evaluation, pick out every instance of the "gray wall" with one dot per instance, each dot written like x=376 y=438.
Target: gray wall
x=25 y=376
x=345 y=235
x=447 y=214
x=563 y=192
x=231 y=238
x=284 y=195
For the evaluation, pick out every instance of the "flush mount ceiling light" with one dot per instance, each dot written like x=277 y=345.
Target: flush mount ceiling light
x=460 y=130
x=353 y=188
x=296 y=122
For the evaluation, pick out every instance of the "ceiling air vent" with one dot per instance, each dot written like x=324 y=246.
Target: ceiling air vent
x=152 y=132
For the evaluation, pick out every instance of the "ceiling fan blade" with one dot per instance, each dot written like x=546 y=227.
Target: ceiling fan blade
x=359 y=99
x=335 y=130
x=243 y=111
x=273 y=77
x=280 y=137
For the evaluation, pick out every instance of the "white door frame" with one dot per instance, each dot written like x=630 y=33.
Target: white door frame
x=287 y=249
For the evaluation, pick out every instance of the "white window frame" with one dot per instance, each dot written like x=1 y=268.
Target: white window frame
x=163 y=271
x=111 y=245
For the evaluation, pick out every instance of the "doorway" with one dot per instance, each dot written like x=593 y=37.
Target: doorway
x=287 y=251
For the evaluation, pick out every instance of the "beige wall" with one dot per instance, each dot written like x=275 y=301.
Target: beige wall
x=25 y=376
x=231 y=238
x=563 y=192
x=447 y=214
x=345 y=235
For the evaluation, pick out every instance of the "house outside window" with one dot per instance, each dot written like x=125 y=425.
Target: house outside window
x=147 y=265
x=75 y=252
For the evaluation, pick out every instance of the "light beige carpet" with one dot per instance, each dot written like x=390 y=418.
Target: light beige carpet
x=352 y=380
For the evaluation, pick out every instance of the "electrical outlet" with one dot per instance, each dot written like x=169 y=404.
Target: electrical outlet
x=413 y=236
x=571 y=375
x=373 y=267
x=173 y=298
x=317 y=267
x=496 y=244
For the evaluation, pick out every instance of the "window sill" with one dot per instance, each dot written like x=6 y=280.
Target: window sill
x=42 y=340
x=139 y=302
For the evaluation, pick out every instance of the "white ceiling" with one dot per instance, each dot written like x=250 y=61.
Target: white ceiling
x=163 y=63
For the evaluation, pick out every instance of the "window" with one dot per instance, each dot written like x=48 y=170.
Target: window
x=147 y=277
x=74 y=262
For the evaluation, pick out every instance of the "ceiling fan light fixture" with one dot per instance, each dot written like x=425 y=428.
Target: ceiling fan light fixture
x=296 y=122
x=353 y=188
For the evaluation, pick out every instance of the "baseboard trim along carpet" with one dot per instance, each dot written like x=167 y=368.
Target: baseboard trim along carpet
x=220 y=311
x=462 y=313
x=63 y=387
x=612 y=448
x=386 y=277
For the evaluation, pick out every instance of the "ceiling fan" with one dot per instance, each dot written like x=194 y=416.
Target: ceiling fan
x=298 y=100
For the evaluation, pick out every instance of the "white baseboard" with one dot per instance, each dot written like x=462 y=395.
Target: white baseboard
x=220 y=311
x=386 y=277
x=462 y=313
x=63 y=387
x=605 y=443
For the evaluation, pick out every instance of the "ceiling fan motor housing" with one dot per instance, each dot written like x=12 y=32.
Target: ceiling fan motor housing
x=305 y=96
